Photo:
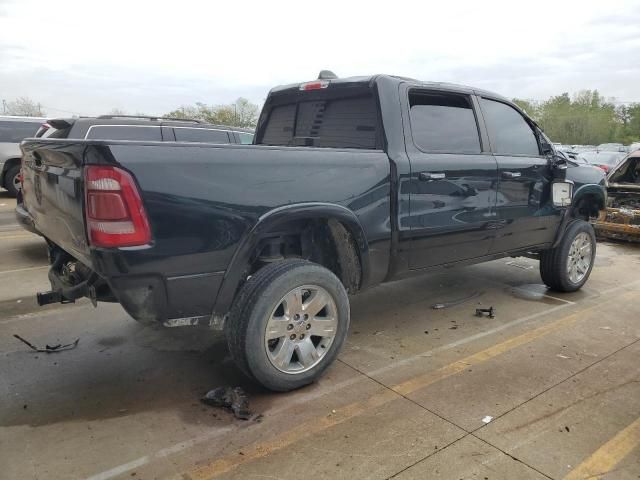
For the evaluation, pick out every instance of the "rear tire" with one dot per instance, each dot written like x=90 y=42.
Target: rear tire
x=288 y=324
x=567 y=267
x=12 y=180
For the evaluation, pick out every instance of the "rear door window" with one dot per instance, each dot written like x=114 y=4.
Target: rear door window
x=15 y=132
x=443 y=123
x=343 y=122
x=509 y=132
x=202 y=135
x=245 y=138
x=124 y=132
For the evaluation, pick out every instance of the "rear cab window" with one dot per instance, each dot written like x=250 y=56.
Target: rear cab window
x=340 y=116
x=443 y=122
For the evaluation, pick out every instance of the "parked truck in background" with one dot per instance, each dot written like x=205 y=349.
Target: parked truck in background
x=349 y=183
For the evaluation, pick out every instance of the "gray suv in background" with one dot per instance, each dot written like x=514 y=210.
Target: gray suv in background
x=105 y=127
x=12 y=131
x=143 y=128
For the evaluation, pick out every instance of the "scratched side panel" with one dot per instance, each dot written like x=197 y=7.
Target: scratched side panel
x=202 y=199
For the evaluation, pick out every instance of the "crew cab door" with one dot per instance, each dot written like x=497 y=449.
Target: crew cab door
x=453 y=179
x=524 y=215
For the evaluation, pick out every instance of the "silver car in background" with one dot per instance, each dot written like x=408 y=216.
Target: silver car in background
x=12 y=131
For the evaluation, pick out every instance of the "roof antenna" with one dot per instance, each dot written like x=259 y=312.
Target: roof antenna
x=326 y=75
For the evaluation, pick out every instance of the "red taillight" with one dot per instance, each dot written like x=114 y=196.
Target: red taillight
x=315 y=85
x=604 y=167
x=114 y=211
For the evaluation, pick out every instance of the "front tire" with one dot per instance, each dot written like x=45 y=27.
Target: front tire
x=288 y=324
x=567 y=267
x=12 y=180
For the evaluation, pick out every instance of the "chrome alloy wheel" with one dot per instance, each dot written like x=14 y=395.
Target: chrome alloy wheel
x=301 y=329
x=579 y=260
x=16 y=181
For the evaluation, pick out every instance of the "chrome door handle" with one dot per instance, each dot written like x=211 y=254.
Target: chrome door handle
x=426 y=176
x=511 y=174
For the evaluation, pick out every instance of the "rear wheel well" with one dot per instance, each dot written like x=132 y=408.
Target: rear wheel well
x=9 y=163
x=587 y=207
x=325 y=241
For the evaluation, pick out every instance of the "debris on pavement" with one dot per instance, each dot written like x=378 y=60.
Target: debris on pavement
x=487 y=419
x=562 y=356
x=453 y=303
x=230 y=398
x=523 y=266
x=49 y=348
x=490 y=312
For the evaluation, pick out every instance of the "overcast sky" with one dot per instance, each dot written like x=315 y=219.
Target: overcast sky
x=88 y=57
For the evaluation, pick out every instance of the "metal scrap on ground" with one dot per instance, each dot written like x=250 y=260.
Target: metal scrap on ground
x=49 y=348
x=230 y=398
x=490 y=312
x=453 y=303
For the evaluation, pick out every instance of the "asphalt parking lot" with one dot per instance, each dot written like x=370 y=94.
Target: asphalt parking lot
x=549 y=388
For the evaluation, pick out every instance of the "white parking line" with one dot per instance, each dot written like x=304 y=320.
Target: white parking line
x=522 y=289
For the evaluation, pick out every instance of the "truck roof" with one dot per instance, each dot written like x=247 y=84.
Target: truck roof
x=371 y=79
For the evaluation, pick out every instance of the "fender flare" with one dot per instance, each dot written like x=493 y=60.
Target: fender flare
x=587 y=189
x=298 y=211
x=590 y=189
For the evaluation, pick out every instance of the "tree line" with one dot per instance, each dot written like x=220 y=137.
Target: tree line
x=585 y=118
x=241 y=113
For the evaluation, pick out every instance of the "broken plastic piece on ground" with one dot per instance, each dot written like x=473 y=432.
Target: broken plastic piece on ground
x=487 y=419
x=49 y=348
x=520 y=265
x=453 y=303
x=490 y=312
x=231 y=398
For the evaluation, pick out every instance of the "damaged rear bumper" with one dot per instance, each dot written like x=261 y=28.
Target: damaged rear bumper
x=619 y=223
x=148 y=297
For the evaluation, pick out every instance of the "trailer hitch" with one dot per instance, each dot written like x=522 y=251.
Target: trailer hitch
x=45 y=298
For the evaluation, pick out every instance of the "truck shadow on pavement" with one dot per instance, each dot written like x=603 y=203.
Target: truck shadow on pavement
x=128 y=370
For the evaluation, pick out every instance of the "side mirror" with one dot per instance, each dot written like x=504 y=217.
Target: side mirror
x=558 y=165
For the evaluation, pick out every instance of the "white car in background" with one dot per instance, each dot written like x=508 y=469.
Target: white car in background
x=12 y=131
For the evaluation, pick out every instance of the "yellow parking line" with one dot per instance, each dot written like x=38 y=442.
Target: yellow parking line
x=315 y=425
x=17 y=270
x=422 y=381
x=20 y=235
x=608 y=455
x=290 y=437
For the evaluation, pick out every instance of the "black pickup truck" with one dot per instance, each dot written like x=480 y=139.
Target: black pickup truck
x=349 y=183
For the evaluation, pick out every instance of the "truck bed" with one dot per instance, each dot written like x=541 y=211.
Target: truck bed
x=201 y=201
